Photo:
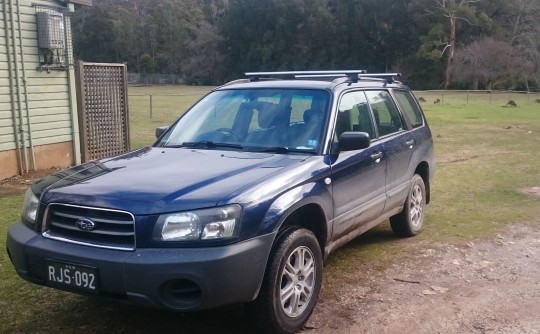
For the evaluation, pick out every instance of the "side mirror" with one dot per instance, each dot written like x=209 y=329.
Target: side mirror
x=352 y=141
x=161 y=130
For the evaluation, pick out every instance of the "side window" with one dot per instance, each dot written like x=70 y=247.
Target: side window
x=387 y=117
x=409 y=105
x=354 y=114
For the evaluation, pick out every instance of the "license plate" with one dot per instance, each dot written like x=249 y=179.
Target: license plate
x=72 y=275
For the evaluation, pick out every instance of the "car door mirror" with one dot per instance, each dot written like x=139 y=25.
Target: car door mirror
x=161 y=130
x=351 y=141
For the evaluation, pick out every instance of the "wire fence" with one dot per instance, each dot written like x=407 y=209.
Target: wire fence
x=161 y=106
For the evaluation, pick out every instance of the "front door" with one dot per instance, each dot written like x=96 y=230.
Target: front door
x=358 y=177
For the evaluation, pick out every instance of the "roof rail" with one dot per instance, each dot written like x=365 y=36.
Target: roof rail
x=352 y=75
x=255 y=76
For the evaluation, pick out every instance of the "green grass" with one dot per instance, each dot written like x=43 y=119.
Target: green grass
x=168 y=103
x=494 y=99
x=485 y=154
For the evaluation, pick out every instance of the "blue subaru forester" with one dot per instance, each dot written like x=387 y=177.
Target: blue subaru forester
x=238 y=201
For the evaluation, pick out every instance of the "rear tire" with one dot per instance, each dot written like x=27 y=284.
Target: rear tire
x=410 y=221
x=291 y=285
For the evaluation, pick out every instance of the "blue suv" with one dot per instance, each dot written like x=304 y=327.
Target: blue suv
x=238 y=201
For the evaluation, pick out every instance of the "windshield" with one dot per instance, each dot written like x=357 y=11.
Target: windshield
x=279 y=120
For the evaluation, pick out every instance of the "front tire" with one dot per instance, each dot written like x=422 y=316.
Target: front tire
x=410 y=221
x=291 y=284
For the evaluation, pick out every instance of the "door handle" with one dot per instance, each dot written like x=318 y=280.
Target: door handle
x=410 y=143
x=377 y=157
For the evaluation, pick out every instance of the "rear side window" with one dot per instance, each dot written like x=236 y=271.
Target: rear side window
x=387 y=117
x=409 y=105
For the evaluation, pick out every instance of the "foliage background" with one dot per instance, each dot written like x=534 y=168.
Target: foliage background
x=212 y=41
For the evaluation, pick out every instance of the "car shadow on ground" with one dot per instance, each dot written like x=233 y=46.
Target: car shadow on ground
x=120 y=318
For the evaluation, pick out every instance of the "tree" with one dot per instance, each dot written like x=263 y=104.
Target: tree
x=453 y=12
x=146 y=65
x=487 y=61
x=204 y=61
x=94 y=31
x=526 y=37
x=209 y=41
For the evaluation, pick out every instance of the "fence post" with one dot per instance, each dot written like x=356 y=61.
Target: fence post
x=442 y=96
x=151 y=105
x=467 y=96
x=490 y=94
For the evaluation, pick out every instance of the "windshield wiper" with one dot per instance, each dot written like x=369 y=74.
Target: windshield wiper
x=279 y=149
x=206 y=144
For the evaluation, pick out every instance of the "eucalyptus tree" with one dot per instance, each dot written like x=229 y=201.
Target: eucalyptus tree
x=442 y=37
x=204 y=61
x=94 y=35
x=526 y=38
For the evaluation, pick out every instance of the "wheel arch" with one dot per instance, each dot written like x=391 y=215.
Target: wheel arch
x=308 y=206
x=311 y=217
x=423 y=170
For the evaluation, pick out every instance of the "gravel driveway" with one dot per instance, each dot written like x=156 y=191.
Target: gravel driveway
x=492 y=286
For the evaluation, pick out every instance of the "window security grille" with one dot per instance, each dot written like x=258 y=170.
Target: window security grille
x=54 y=38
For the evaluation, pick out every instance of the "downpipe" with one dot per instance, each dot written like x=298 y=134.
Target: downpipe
x=26 y=104
x=18 y=85
x=73 y=106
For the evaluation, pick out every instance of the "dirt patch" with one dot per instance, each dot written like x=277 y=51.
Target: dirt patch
x=19 y=183
x=517 y=127
x=532 y=191
x=490 y=286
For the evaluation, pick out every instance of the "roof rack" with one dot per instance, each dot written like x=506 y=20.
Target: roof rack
x=388 y=77
x=255 y=76
x=352 y=75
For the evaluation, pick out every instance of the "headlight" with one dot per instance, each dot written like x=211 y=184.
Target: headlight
x=30 y=207
x=214 y=223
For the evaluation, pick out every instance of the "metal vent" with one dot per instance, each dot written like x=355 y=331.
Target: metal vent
x=103 y=228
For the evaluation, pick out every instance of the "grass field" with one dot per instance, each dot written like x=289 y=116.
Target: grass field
x=485 y=152
x=153 y=106
x=491 y=98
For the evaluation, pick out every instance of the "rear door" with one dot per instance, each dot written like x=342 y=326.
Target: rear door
x=398 y=145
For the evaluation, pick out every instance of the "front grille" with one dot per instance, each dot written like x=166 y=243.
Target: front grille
x=104 y=228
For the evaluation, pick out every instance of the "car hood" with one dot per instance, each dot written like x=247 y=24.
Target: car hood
x=156 y=180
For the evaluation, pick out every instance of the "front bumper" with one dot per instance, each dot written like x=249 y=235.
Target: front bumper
x=171 y=278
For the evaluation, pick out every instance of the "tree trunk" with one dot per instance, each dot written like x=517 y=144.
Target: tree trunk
x=451 y=51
